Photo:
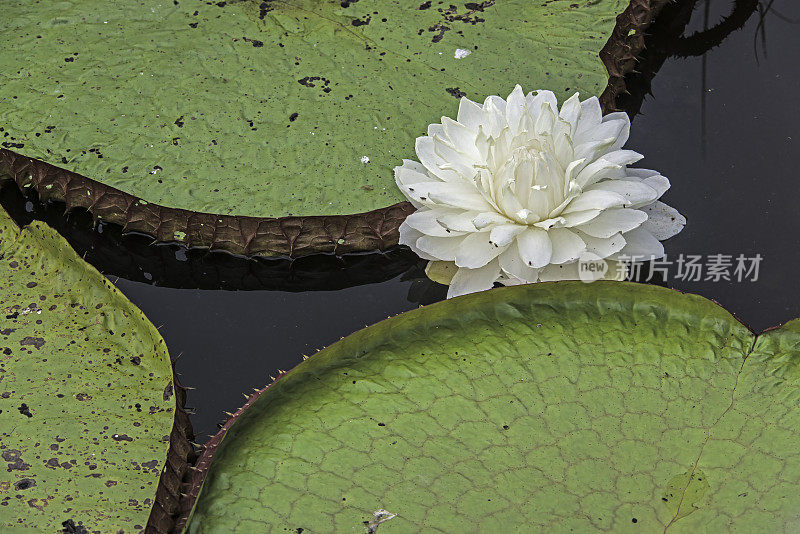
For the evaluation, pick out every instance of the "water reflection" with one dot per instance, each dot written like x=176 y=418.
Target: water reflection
x=136 y=258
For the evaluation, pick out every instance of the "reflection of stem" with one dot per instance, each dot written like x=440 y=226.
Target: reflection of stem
x=762 y=21
x=782 y=17
x=703 y=85
x=668 y=26
x=701 y=42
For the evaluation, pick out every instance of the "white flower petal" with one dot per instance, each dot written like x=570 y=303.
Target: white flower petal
x=470 y=114
x=545 y=120
x=433 y=162
x=537 y=100
x=440 y=248
x=461 y=137
x=641 y=245
x=535 y=247
x=596 y=171
x=414 y=166
x=441 y=272
x=409 y=237
x=502 y=235
x=607 y=129
x=623 y=157
x=567 y=245
x=515 y=108
x=459 y=221
x=613 y=221
x=619 y=118
x=494 y=118
x=603 y=247
x=635 y=192
x=473 y=280
x=460 y=161
x=476 y=251
x=579 y=217
x=650 y=178
x=406 y=175
x=594 y=149
x=426 y=221
x=458 y=195
x=571 y=112
x=513 y=265
x=508 y=280
x=595 y=200
x=555 y=273
x=662 y=221
x=591 y=113
x=488 y=218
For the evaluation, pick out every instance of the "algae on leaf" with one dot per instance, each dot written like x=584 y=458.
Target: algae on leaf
x=86 y=392
x=555 y=407
x=271 y=109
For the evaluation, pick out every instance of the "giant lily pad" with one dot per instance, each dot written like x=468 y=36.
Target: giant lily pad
x=554 y=407
x=87 y=401
x=272 y=127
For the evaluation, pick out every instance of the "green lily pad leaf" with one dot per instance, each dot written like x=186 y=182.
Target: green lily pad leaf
x=86 y=392
x=272 y=109
x=553 y=407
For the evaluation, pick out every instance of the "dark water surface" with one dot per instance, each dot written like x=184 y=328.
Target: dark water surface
x=724 y=129
x=722 y=126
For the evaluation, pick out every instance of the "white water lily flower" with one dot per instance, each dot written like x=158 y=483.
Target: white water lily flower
x=517 y=191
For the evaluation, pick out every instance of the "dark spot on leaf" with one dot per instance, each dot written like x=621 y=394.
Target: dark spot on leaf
x=263 y=9
x=255 y=42
x=35 y=341
x=24 y=484
x=24 y=410
x=71 y=528
x=83 y=396
x=456 y=92
x=121 y=437
x=293 y=117
x=152 y=464
x=14 y=459
x=441 y=29
x=10 y=455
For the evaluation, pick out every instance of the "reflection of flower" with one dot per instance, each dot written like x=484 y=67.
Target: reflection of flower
x=517 y=191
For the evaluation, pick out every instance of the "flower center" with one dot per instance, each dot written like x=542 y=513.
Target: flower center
x=528 y=186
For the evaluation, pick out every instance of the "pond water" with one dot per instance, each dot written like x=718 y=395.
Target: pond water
x=721 y=125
